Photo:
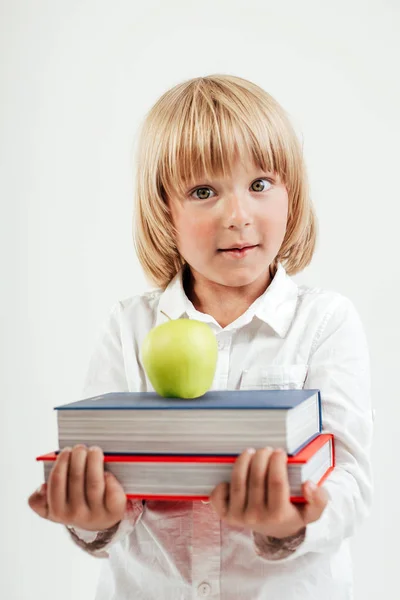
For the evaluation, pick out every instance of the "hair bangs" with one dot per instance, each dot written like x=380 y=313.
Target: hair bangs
x=208 y=135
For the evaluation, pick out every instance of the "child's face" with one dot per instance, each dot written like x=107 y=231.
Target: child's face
x=249 y=207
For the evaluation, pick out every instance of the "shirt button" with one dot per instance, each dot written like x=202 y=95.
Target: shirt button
x=204 y=589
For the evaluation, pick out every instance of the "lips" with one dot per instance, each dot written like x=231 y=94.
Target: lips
x=238 y=247
x=238 y=253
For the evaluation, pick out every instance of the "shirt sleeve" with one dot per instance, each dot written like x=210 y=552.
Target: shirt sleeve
x=339 y=366
x=106 y=373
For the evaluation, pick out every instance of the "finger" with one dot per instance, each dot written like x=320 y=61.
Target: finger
x=316 y=500
x=95 y=484
x=278 y=482
x=57 y=484
x=76 y=478
x=219 y=499
x=114 y=497
x=257 y=484
x=238 y=484
x=38 y=501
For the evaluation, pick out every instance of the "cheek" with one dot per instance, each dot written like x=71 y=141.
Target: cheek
x=276 y=219
x=196 y=233
x=273 y=228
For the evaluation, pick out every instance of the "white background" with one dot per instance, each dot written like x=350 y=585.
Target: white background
x=76 y=81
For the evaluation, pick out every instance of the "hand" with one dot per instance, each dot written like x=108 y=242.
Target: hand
x=79 y=493
x=258 y=496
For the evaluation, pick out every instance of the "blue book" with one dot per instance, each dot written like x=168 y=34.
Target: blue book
x=221 y=422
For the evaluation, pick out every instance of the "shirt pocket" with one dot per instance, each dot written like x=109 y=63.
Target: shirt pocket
x=274 y=377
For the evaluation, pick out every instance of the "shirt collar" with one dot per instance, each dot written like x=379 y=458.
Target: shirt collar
x=276 y=306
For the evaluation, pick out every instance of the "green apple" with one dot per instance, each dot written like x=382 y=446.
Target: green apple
x=180 y=358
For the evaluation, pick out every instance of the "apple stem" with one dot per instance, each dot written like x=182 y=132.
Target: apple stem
x=161 y=311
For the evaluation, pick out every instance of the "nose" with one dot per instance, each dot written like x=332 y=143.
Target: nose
x=237 y=212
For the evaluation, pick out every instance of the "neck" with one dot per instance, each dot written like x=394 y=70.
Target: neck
x=224 y=303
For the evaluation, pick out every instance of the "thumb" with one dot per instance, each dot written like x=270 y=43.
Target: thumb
x=316 y=500
x=114 y=495
x=38 y=501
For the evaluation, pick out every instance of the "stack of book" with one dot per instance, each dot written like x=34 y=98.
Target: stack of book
x=178 y=449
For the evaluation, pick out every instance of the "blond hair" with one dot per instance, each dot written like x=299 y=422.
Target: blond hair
x=196 y=129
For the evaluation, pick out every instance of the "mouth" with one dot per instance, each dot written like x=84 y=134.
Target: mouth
x=238 y=252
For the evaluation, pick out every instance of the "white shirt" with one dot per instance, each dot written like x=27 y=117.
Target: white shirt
x=290 y=337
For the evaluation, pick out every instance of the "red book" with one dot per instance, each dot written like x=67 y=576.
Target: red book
x=177 y=477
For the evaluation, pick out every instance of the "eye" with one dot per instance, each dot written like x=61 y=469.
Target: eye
x=257 y=182
x=202 y=190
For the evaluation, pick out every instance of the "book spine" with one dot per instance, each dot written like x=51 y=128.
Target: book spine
x=175 y=498
x=320 y=411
